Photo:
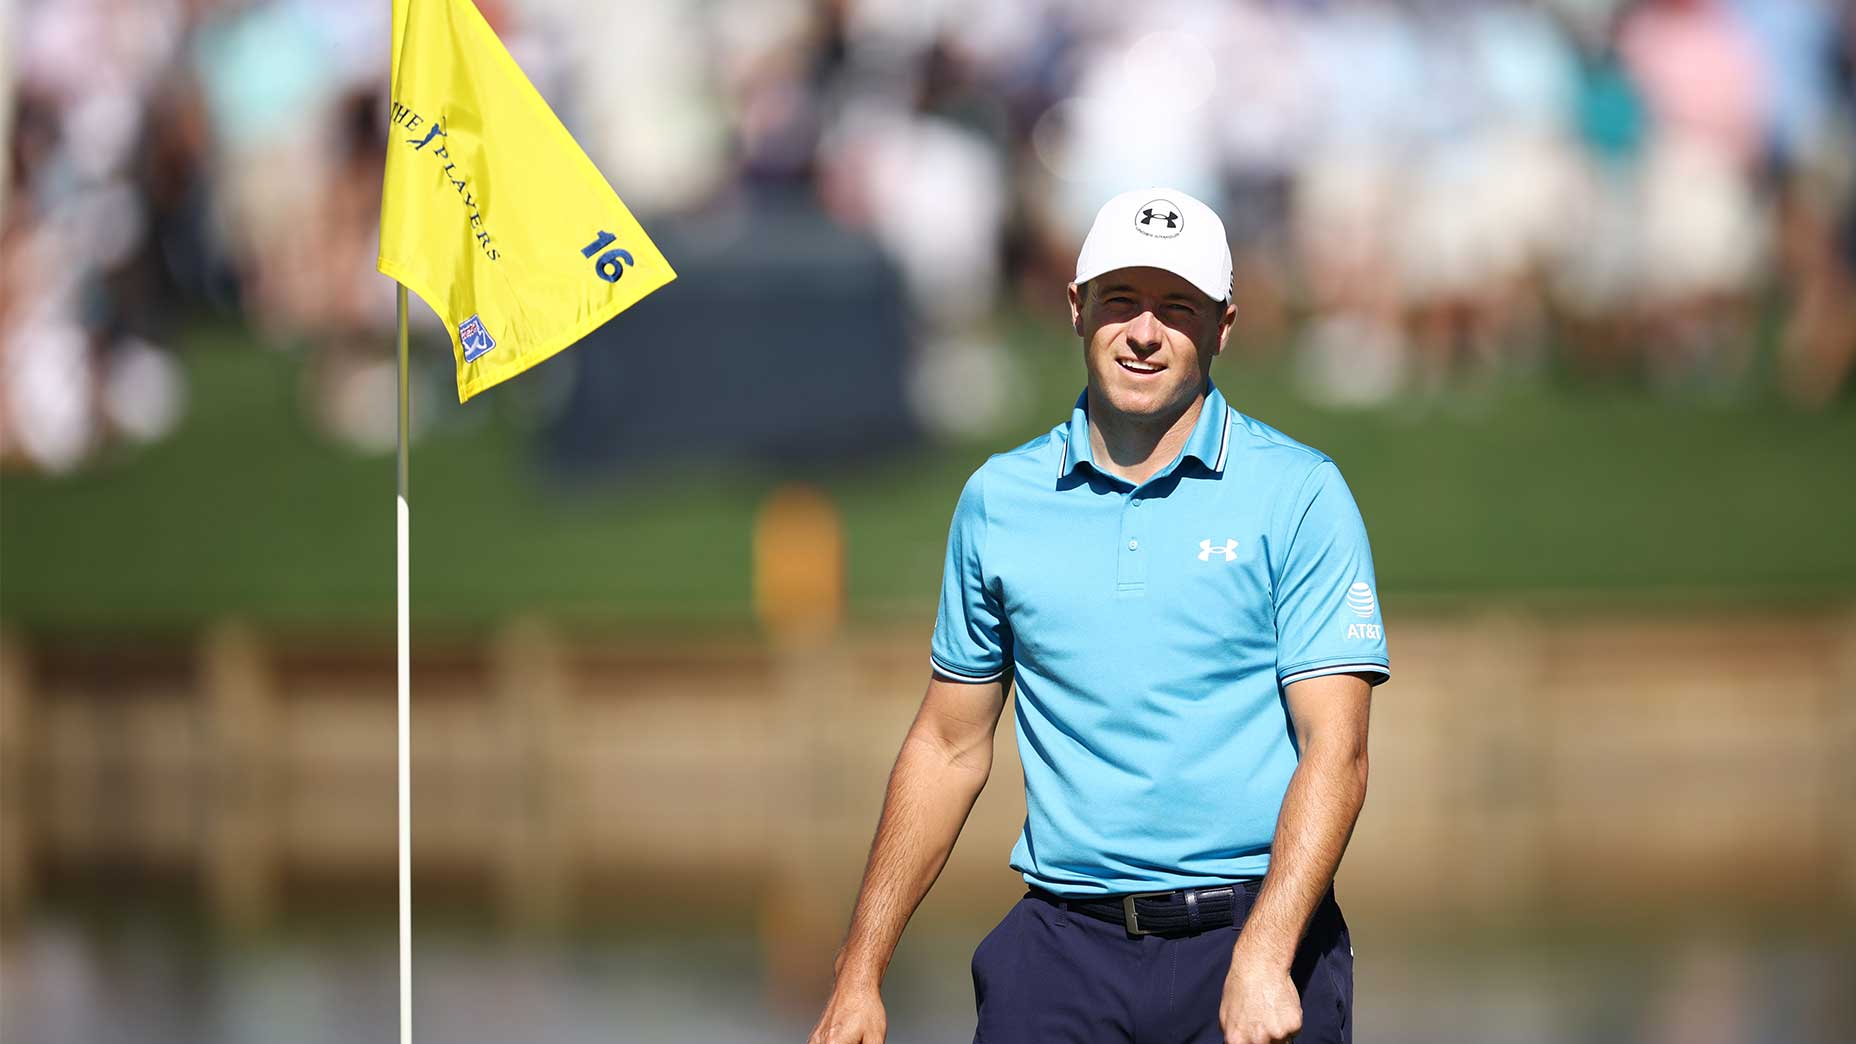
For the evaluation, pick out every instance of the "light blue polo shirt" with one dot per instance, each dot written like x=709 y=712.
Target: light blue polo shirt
x=1151 y=631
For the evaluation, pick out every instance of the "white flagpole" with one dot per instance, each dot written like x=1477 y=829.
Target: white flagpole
x=405 y=698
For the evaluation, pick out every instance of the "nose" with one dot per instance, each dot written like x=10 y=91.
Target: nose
x=1144 y=332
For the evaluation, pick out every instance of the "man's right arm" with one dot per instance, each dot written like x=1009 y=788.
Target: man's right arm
x=939 y=773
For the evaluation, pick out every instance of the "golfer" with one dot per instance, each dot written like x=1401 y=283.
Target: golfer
x=1184 y=598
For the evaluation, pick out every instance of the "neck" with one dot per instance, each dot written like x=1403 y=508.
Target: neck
x=1133 y=447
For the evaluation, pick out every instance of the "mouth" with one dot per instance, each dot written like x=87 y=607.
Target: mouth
x=1140 y=368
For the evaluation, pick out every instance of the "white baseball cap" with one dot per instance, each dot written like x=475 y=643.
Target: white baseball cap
x=1159 y=228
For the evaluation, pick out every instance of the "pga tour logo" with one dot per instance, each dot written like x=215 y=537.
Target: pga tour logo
x=1361 y=602
x=476 y=340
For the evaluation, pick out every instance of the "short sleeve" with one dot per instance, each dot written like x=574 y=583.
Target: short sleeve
x=1327 y=603
x=972 y=641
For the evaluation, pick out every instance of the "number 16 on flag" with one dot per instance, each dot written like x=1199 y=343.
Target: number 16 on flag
x=611 y=264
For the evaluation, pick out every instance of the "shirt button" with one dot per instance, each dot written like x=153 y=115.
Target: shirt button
x=1134 y=545
x=1137 y=501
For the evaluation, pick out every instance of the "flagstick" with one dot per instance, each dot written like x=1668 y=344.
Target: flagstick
x=405 y=699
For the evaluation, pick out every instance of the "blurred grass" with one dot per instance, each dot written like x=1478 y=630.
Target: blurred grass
x=1530 y=491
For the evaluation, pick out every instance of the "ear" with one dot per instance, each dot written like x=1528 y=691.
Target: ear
x=1225 y=322
x=1076 y=309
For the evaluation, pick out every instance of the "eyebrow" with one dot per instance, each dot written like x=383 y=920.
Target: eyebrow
x=1125 y=288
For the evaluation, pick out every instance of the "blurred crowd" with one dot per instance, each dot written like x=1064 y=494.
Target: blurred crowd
x=1422 y=194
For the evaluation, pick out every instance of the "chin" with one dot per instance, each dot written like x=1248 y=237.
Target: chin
x=1141 y=401
x=1144 y=400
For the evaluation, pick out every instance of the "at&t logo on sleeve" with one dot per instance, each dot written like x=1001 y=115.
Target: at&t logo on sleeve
x=1361 y=603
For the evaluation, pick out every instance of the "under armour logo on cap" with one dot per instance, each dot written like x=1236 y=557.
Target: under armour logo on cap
x=1159 y=218
x=1159 y=227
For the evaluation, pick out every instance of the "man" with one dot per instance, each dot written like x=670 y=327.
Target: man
x=1184 y=597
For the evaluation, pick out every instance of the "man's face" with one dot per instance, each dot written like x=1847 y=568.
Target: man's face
x=1148 y=339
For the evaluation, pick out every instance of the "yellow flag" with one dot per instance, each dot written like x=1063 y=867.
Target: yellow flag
x=491 y=212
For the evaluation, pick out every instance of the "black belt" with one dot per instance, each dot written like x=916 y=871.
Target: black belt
x=1187 y=911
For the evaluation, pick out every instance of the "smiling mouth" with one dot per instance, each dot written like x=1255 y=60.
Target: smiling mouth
x=1144 y=369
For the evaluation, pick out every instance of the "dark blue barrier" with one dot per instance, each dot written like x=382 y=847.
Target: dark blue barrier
x=782 y=341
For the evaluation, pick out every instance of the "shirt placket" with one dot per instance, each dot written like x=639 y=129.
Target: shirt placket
x=1131 y=553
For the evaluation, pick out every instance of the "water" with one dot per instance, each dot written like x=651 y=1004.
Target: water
x=150 y=975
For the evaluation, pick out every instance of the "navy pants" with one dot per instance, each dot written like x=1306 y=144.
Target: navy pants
x=1045 y=974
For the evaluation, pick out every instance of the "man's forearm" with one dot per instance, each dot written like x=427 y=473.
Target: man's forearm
x=1318 y=812
x=931 y=790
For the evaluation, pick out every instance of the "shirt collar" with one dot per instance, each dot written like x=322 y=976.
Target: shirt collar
x=1209 y=442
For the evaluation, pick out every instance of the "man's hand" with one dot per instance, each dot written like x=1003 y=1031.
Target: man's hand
x=939 y=772
x=854 y=1015
x=1260 y=1006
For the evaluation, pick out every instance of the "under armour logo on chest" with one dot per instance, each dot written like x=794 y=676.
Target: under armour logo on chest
x=1229 y=550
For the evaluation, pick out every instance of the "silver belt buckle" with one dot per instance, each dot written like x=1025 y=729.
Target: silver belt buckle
x=1127 y=910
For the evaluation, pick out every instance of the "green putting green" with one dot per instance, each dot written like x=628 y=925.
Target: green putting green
x=1532 y=491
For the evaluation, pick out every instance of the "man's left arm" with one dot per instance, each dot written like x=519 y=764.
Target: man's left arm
x=1323 y=801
